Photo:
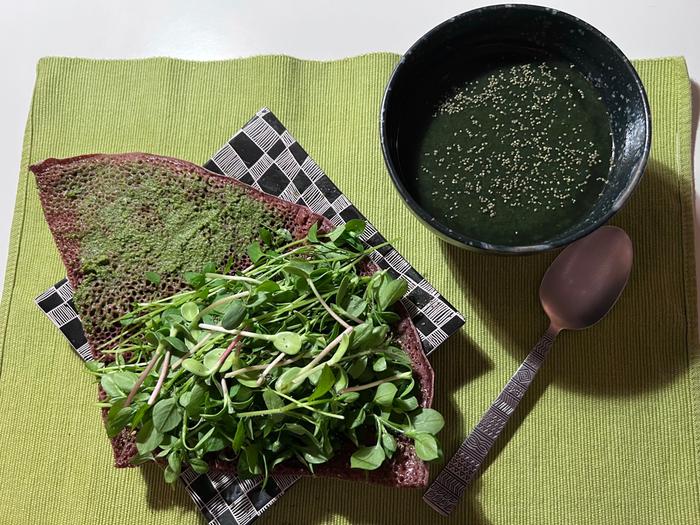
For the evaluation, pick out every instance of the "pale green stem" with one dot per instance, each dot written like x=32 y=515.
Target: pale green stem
x=308 y=369
x=291 y=406
x=306 y=404
x=403 y=375
x=142 y=377
x=244 y=333
x=253 y=368
x=216 y=304
x=272 y=365
x=328 y=309
x=194 y=349
x=161 y=379
x=240 y=278
x=280 y=256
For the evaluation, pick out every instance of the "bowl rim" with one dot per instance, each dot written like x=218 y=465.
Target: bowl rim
x=467 y=242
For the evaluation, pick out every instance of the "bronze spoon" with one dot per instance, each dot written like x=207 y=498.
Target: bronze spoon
x=578 y=290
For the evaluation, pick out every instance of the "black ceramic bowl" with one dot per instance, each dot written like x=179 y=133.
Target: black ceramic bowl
x=470 y=42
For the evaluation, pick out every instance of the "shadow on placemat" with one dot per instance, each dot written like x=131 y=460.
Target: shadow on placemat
x=368 y=508
x=615 y=357
x=450 y=379
x=162 y=495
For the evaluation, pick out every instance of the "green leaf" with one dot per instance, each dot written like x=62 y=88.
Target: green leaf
x=249 y=381
x=119 y=383
x=258 y=299
x=153 y=277
x=287 y=342
x=195 y=367
x=203 y=439
x=358 y=367
x=315 y=457
x=250 y=456
x=166 y=415
x=377 y=336
x=194 y=279
x=199 y=465
x=390 y=317
x=169 y=475
x=141 y=410
x=297 y=270
x=360 y=335
x=268 y=286
x=426 y=446
x=356 y=306
x=301 y=285
x=234 y=315
x=379 y=364
x=313 y=233
x=195 y=403
x=140 y=459
x=358 y=418
x=185 y=332
x=184 y=398
x=349 y=397
x=342 y=381
x=428 y=420
x=213 y=443
x=342 y=293
x=211 y=358
x=118 y=417
x=340 y=352
x=272 y=400
x=153 y=338
x=286 y=296
x=355 y=226
x=94 y=366
x=284 y=381
x=176 y=344
x=189 y=311
x=254 y=252
x=239 y=437
x=171 y=315
x=367 y=458
x=324 y=384
x=389 y=443
x=336 y=233
x=266 y=236
x=391 y=291
x=148 y=438
x=384 y=396
x=409 y=387
x=407 y=405
x=284 y=234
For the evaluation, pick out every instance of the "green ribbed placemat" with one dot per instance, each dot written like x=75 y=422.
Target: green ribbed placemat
x=611 y=434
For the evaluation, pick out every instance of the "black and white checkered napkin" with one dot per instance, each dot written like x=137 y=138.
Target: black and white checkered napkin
x=264 y=155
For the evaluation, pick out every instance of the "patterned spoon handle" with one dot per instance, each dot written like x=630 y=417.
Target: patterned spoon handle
x=447 y=488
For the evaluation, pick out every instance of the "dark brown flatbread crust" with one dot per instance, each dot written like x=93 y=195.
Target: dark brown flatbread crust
x=404 y=470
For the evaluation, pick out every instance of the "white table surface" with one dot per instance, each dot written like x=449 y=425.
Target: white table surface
x=220 y=29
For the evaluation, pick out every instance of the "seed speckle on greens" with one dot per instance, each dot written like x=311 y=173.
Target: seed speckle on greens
x=290 y=359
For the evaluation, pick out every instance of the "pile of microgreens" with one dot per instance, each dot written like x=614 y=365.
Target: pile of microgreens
x=292 y=358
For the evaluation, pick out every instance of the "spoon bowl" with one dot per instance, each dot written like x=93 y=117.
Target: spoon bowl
x=586 y=279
